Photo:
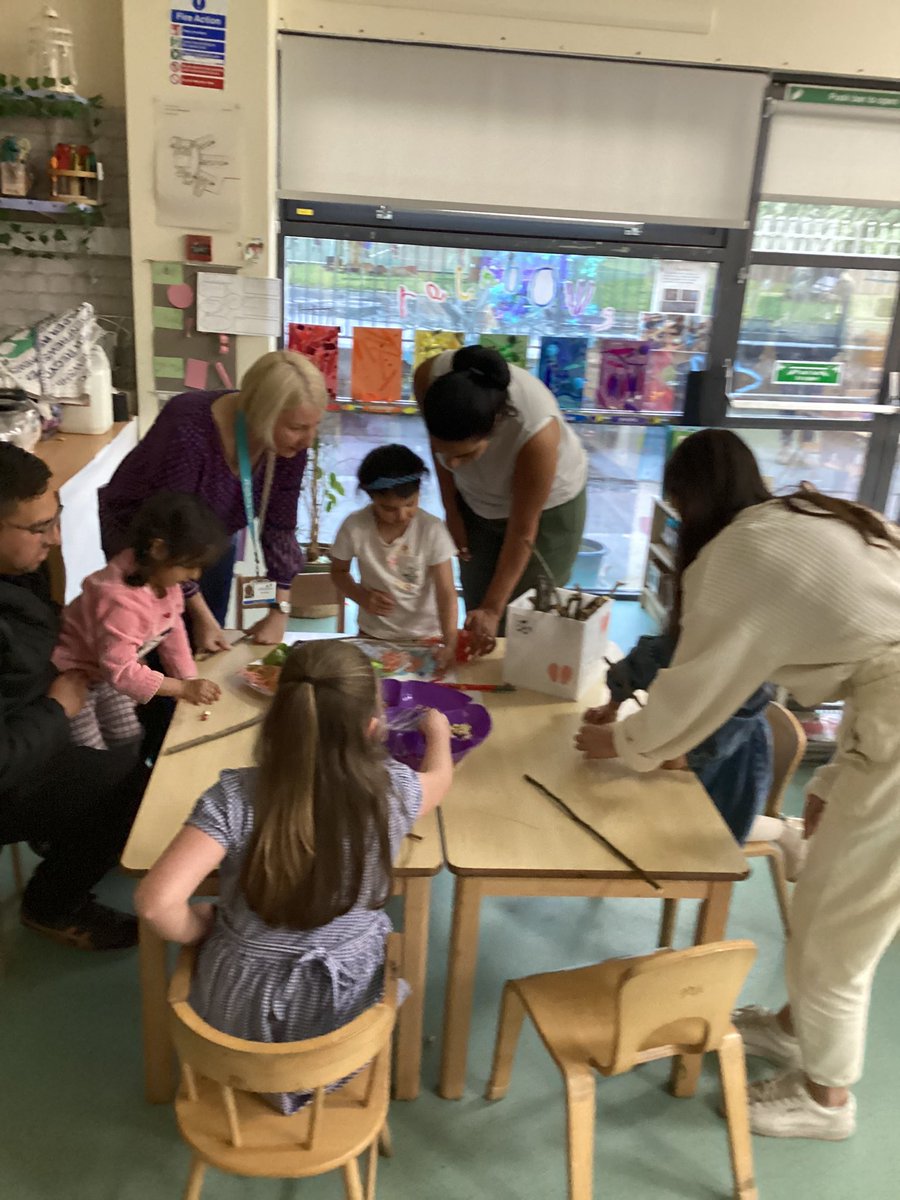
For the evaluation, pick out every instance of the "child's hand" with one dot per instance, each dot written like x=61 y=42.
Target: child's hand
x=676 y=764
x=445 y=655
x=604 y=715
x=379 y=604
x=201 y=691
x=434 y=725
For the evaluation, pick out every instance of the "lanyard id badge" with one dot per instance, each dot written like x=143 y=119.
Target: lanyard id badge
x=258 y=591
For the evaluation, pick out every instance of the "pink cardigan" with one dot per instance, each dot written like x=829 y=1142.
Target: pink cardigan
x=112 y=625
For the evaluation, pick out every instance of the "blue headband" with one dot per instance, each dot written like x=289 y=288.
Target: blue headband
x=385 y=483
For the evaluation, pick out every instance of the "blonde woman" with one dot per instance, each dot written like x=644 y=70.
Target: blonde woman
x=195 y=446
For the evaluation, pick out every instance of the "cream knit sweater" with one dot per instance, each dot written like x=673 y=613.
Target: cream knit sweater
x=780 y=597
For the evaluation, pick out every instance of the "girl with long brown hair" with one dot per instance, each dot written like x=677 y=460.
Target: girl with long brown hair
x=803 y=591
x=303 y=843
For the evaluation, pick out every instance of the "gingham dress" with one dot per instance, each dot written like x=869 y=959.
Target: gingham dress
x=279 y=985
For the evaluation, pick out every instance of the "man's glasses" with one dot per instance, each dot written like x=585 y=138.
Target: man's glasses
x=40 y=528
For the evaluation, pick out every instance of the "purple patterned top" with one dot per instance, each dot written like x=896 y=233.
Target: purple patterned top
x=183 y=452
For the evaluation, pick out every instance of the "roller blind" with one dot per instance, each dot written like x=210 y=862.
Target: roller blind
x=522 y=133
x=817 y=152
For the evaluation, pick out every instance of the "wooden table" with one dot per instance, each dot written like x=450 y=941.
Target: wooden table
x=503 y=838
x=177 y=781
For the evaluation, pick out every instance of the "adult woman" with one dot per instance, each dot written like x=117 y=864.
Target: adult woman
x=195 y=446
x=510 y=470
x=803 y=591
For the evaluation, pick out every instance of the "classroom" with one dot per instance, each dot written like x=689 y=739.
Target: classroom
x=449 y=552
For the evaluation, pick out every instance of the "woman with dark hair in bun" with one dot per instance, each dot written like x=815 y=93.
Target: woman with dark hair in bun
x=511 y=472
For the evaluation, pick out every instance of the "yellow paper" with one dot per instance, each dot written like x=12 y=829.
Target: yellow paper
x=430 y=342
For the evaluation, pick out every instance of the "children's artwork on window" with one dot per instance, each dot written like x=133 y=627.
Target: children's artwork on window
x=377 y=365
x=622 y=370
x=676 y=331
x=563 y=368
x=513 y=347
x=430 y=342
x=318 y=343
x=665 y=377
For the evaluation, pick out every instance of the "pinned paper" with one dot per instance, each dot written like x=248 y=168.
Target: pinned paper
x=167 y=272
x=377 y=365
x=563 y=368
x=167 y=318
x=430 y=342
x=180 y=295
x=168 y=368
x=318 y=343
x=195 y=371
x=513 y=347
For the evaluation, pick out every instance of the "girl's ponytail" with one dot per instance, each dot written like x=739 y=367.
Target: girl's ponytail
x=321 y=790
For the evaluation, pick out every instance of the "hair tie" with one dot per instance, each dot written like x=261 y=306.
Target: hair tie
x=384 y=483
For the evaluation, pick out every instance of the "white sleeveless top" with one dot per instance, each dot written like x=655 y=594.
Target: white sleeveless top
x=486 y=483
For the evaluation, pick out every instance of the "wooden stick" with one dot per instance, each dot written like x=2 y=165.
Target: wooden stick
x=211 y=737
x=595 y=833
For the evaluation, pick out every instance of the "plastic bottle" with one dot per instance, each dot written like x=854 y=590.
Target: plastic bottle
x=97 y=415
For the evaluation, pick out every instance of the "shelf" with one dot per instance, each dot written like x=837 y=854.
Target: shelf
x=651 y=604
x=46 y=208
x=55 y=174
x=663 y=556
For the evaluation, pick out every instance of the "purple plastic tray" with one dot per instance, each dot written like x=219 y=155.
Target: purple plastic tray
x=408 y=746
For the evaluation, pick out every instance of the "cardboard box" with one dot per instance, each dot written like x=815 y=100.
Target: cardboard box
x=552 y=654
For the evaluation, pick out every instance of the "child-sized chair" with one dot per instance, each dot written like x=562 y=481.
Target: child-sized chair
x=225 y=1120
x=625 y=1011
x=788 y=748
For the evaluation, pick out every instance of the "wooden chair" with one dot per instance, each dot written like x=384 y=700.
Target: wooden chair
x=313 y=597
x=788 y=748
x=227 y=1123
x=623 y=1012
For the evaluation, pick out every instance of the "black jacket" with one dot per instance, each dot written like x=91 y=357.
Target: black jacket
x=32 y=728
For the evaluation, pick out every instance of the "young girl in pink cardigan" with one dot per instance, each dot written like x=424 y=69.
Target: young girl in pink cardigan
x=135 y=605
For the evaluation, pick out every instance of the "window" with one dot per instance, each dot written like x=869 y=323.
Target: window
x=813 y=334
x=787 y=228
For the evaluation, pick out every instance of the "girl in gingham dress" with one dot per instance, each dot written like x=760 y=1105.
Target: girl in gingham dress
x=303 y=843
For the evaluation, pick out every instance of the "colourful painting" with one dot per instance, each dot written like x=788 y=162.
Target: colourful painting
x=376 y=366
x=664 y=380
x=563 y=368
x=622 y=368
x=676 y=331
x=513 y=347
x=430 y=342
x=318 y=343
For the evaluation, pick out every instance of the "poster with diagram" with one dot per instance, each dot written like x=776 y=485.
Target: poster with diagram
x=196 y=169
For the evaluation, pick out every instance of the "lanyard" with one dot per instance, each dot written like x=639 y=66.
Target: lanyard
x=243 y=455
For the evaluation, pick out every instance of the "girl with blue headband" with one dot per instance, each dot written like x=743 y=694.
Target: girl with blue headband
x=404 y=556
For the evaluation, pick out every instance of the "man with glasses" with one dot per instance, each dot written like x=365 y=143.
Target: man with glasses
x=75 y=803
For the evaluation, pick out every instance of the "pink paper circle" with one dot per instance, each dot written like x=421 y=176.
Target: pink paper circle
x=181 y=295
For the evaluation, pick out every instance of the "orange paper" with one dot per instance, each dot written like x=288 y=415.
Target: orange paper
x=377 y=365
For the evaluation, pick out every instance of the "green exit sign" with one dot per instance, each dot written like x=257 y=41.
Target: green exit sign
x=818 y=374
x=845 y=97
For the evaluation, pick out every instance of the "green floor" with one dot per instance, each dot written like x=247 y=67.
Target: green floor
x=73 y=1122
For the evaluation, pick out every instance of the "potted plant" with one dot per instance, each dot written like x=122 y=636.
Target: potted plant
x=321 y=492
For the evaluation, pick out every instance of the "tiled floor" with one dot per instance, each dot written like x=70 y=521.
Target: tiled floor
x=74 y=1123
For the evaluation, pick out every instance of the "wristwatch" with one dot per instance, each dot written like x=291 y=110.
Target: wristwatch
x=284 y=606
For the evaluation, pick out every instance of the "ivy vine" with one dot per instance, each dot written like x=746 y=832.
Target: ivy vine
x=34 y=97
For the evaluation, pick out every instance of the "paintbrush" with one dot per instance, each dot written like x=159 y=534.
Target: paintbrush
x=595 y=833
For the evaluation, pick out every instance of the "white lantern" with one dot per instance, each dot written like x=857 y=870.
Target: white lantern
x=51 y=50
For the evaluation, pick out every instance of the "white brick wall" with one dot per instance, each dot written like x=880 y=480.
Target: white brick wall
x=33 y=288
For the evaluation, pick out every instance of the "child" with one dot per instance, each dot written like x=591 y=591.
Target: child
x=133 y=606
x=406 y=590
x=304 y=843
x=734 y=764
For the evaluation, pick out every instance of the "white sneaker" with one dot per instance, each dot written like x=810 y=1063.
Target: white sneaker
x=782 y=1107
x=765 y=1038
x=793 y=846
